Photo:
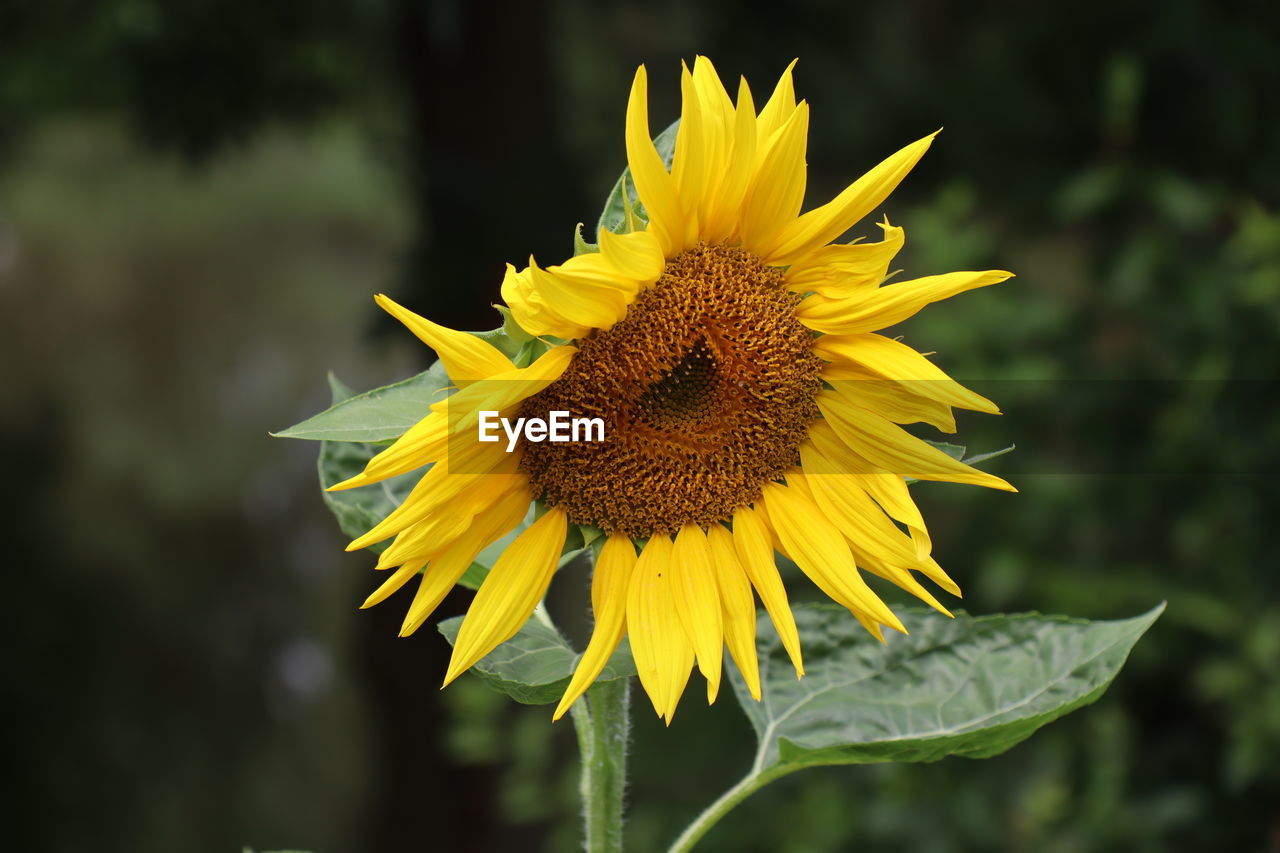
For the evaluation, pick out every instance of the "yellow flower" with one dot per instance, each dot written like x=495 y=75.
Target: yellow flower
x=749 y=408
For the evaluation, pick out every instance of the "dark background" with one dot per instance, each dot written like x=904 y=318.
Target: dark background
x=198 y=199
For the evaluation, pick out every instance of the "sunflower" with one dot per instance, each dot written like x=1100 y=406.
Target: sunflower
x=750 y=409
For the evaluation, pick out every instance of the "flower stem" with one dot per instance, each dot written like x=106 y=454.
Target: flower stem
x=754 y=781
x=604 y=728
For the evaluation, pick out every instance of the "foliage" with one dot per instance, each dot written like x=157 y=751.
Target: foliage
x=963 y=686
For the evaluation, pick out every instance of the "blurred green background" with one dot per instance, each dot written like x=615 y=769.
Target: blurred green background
x=198 y=199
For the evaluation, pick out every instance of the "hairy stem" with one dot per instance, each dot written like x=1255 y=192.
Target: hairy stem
x=604 y=729
x=602 y=721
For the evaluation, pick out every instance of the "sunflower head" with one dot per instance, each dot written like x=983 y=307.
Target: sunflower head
x=706 y=388
x=729 y=349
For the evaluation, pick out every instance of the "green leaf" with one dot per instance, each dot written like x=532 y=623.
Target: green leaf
x=971 y=686
x=338 y=389
x=535 y=665
x=614 y=217
x=383 y=414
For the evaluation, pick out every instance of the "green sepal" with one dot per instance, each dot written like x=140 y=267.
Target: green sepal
x=508 y=338
x=500 y=340
x=530 y=352
x=983 y=457
x=580 y=245
x=957 y=451
x=511 y=328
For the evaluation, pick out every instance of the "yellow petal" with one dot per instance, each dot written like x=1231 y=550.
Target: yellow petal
x=893 y=400
x=717 y=128
x=739 y=608
x=510 y=592
x=635 y=257
x=392 y=584
x=891 y=493
x=693 y=586
x=722 y=196
x=895 y=360
x=778 y=109
x=889 y=447
x=777 y=190
x=819 y=549
x=839 y=270
x=753 y=543
x=466 y=358
x=593 y=276
x=692 y=163
x=589 y=291
x=580 y=300
x=531 y=309
x=659 y=645
x=877 y=543
x=721 y=220
x=505 y=390
x=436 y=531
x=653 y=182
x=845 y=503
x=887 y=489
x=717 y=109
x=443 y=482
x=869 y=310
x=897 y=575
x=449 y=565
x=822 y=225
x=421 y=540
x=609 y=585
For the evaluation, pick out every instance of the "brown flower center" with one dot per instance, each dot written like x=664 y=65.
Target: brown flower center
x=705 y=388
